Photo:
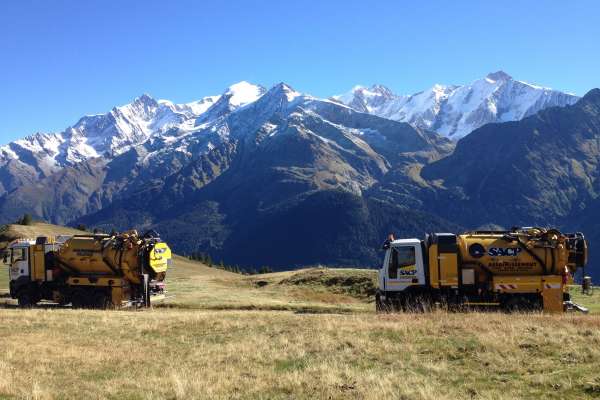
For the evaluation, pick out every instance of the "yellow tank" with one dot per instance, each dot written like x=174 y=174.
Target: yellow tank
x=128 y=255
x=527 y=251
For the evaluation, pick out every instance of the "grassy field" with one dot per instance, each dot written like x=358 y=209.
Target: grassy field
x=303 y=334
x=312 y=290
x=276 y=354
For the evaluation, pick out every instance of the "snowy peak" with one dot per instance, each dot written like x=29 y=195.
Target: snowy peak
x=365 y=99
x=367 y=92
x=382 y=90
x=242 y=93
x=279 y=99
x=235 y=96
x=498 y=76
x=145 y=101
x=194 y=108
x=455 y=111
x=264 y=114
x=283 y=90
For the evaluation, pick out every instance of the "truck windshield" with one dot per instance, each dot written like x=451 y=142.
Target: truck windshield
x=400 y=257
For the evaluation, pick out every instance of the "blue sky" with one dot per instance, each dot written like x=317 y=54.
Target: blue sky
x=63 y=59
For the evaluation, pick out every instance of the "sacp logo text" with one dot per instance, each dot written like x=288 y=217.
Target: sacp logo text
x=504 y=251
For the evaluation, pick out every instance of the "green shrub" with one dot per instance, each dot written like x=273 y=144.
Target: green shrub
x=26 y=220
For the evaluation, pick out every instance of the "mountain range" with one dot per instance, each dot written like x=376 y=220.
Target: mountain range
x=457 y=110
x=280 y=178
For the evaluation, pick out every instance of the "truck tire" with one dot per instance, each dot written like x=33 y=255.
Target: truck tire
x=383 y=306
x=77 y=300
x=417 y=303
x=379 y=306
x=25 y=299
x=100 y=300
x=513 y=304
x=522 y=304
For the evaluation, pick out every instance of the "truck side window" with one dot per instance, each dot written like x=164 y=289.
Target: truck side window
x=400 y=257
x=393 y=266
x=406 y=256
x=19 y=255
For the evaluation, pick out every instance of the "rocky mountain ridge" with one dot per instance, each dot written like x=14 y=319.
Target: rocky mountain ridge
x=456 y=110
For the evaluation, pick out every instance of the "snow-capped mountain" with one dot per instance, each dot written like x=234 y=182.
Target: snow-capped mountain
x=452 y=111
x=455 y=111
x=149 y=144
x=236 y=96
x=162 y=126
x=113 y=133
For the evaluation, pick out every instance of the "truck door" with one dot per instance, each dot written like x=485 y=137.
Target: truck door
x=404 y=267
x=19 y=263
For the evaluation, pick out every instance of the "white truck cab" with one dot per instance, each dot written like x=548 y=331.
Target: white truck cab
x=403 y=271
x=403 y=265
x=20 y=258
x=17 y=256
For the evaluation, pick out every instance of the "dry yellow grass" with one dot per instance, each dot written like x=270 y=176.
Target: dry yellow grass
x=275 y=354
x=292 y=335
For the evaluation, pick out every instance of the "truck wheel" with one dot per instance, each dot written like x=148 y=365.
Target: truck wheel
x=378 y=304
x=25 y=300
x=382 y=306
x=77 y=299
x=517 y=304
x=523 y=304
x=513 y=305
x=417 y=304
x=100 y=300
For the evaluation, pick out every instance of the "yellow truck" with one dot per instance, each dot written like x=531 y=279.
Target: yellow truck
x=520 y=269
x=89 y=271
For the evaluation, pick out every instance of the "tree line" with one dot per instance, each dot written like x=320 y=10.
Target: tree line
x=207 y=260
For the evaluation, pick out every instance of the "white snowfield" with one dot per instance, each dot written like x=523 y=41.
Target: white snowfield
x=455 y=111
x=156 y=127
